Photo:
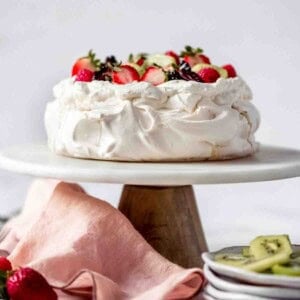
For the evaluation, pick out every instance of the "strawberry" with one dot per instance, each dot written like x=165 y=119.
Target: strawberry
x=26 y=283
x=208 y=75
x=154 y=75
x=194 y=56
x=197 y=59
x=125 y=74
x=5 y=264
x=88 y=62
x=230 y=70
x=174 y=55
x=84 y=75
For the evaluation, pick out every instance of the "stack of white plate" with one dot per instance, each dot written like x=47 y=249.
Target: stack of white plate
x=226 y=282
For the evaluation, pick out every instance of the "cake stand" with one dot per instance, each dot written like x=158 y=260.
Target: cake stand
x=158 y=198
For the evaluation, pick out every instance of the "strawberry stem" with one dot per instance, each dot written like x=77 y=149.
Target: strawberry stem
x=94 y=61
x=190 y=51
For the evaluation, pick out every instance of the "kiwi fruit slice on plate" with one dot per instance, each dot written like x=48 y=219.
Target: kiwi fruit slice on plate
x=291 y=268
x=232 y=259
x=263 y=253
x=271 y=245
x=246 y=252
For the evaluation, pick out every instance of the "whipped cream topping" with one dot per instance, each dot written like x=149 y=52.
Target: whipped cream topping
x=177 y=120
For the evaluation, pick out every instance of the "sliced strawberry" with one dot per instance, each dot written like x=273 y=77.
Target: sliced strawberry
x=208 y=75
x=194 y=56
x=204 y=59
x=154 y=75
x=230 y=70
x=84 y=75
x=174 y=55
x=88 y=62
x=125 y=74
x=197 y=59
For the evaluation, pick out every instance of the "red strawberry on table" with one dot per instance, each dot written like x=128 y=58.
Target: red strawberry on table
x=208 y=75
x=5 y=264
x=154 y=75
x=28 y=284
x=88 y=62
x=174 y=55
x=230 y=70
x=125 y=74
x=194 y=56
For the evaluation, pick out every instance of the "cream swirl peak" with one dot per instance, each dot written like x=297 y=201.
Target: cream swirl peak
x=138 y=121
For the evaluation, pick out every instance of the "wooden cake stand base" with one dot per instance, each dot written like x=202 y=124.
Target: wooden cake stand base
x=167 y=217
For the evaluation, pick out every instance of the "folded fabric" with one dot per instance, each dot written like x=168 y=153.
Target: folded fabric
x=87 y=249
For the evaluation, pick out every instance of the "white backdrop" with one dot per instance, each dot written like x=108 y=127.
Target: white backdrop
x=39 y=41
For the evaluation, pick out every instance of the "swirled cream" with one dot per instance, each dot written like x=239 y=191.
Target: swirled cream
x=177 y=120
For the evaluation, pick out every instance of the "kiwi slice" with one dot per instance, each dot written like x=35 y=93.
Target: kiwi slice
x=246 y=252
x=270 y=245
x=246 y=263
x=263 y=253
x=161 y=60
x=231 y=259
x=268 y=251
x=292 y=268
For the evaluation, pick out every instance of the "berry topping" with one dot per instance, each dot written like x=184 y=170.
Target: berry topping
x=88 y=62
x=111 y=60
x=125 y=74
x=154 y=75
x=174 y=75
x=208 y=75
x=187 y=73
x=5 y=264
x=191 y=64
x=230 y=70
x=194 y=56
x=84 y=75
x=26 y=283
x=104 y=72
x=174 y=55
x=184 y=66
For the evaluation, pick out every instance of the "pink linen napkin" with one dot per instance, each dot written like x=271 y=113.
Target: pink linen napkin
x=87 y=249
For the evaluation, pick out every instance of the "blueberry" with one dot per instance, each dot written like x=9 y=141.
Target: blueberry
x=173 y=75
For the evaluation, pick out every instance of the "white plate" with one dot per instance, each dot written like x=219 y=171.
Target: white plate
x=247 y=276
x=221 y=295
x=228 y=285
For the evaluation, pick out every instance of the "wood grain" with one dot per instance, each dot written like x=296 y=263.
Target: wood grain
x=168 y=219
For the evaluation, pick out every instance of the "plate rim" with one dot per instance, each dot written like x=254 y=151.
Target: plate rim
x=268 y=291
x=248 y=276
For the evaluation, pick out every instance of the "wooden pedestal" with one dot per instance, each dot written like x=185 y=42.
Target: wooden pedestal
x=168 y=219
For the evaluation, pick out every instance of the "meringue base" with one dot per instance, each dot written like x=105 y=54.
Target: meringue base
x=175 y=121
